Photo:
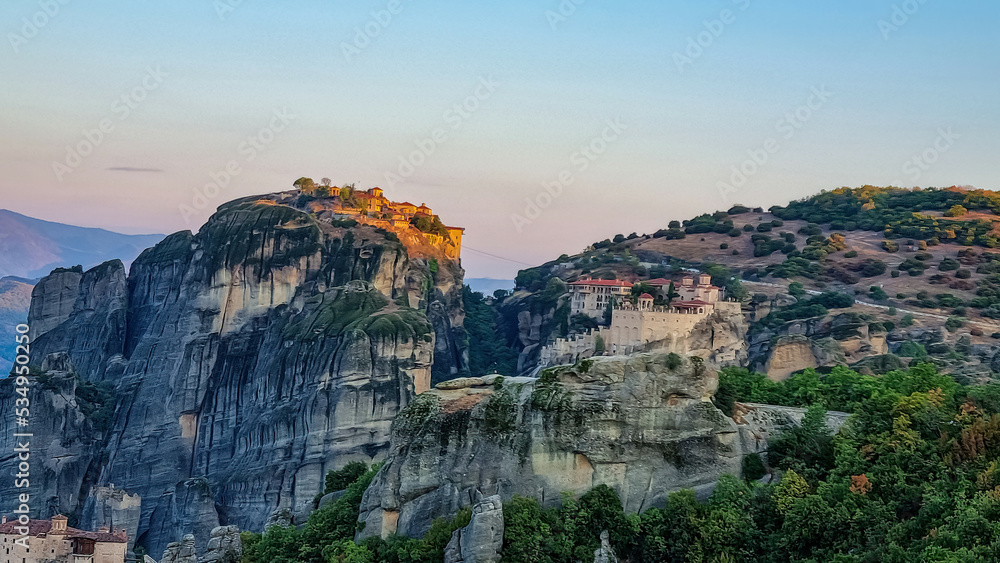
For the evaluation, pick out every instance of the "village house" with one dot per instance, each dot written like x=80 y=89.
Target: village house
x=54 y=541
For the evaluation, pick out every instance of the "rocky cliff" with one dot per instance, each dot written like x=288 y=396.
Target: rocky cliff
x=247 y=361
x=644 y=425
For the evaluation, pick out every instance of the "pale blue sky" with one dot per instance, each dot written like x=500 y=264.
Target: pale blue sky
x=555 y=86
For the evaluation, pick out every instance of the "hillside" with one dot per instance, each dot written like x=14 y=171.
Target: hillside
x=920 y=265
x=31 y=248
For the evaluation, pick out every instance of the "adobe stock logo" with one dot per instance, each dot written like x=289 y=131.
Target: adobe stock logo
x=31 y=26
x=901 y=14
x=580 y=161
x=787 y=127
x=373 y=28
x=922 y=161
x=714 y=28
x=121 y=108
x=453 y=118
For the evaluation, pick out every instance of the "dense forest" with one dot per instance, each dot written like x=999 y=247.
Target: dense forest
x=912 y=476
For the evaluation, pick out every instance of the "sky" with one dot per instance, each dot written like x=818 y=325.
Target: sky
x=539 y=126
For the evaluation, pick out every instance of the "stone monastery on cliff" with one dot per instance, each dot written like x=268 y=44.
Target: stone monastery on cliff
x=637 y=326
x=371 y=207
x=53 y=540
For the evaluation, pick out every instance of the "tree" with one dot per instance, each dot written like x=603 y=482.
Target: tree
x=956 y=211
x=796 y=289
x=671 y=293
x=305 y=185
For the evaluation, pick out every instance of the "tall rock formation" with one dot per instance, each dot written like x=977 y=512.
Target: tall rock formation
x=644 y=425
x=481 y=541
x=247 y=361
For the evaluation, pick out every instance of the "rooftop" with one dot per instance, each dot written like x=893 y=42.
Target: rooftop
x=37 y=527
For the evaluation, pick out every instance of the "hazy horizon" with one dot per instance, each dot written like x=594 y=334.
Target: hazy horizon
x=484 y=111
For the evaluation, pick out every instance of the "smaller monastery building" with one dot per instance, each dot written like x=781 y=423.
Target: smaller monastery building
x=53 y=540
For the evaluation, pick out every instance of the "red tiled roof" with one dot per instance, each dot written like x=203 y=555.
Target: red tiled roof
x=604 y=283
x=44 y=526
x=658 y=281
x=405 y=204
x=645 y=296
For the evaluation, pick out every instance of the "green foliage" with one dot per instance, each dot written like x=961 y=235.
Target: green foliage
x=674 y=361
x=97 y=403
x=500 y=414
x=568 y=533
x=429 y=224
x=488 y=350
x=326 y=532
x=897 y=213
x=956 y=211
x=340 y=479
x=753 y=467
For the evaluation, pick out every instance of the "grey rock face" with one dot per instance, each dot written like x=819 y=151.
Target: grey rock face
x=180 y=552
x=52 y=301
x=757 y=423
x=82 y=316
x=65 y=445
x=632 y=423
x=482 y=540
x=605 y=554
x=113 y=508
x=224 y=546
x=248 y=361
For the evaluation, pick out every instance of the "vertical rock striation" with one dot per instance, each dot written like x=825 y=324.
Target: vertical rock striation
x=247 y=360
x=644 y=425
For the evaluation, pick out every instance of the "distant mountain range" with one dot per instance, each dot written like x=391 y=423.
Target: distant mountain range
x=31 y=248
x=487 y=286
x=15 y=297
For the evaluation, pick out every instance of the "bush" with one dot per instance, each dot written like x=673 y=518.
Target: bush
x=753 y=467
x=963 y=274
x=890 y=246
x=724 y=246
x=906 y=321
x=948 y=264
x=851 y=254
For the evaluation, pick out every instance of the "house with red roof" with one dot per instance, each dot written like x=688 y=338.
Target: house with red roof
x=45 y=541
x=591 y=297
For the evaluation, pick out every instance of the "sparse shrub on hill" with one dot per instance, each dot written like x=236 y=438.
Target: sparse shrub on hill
x=948 y=264
x=890 y=246
x=897 y=212
x=956 y=211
